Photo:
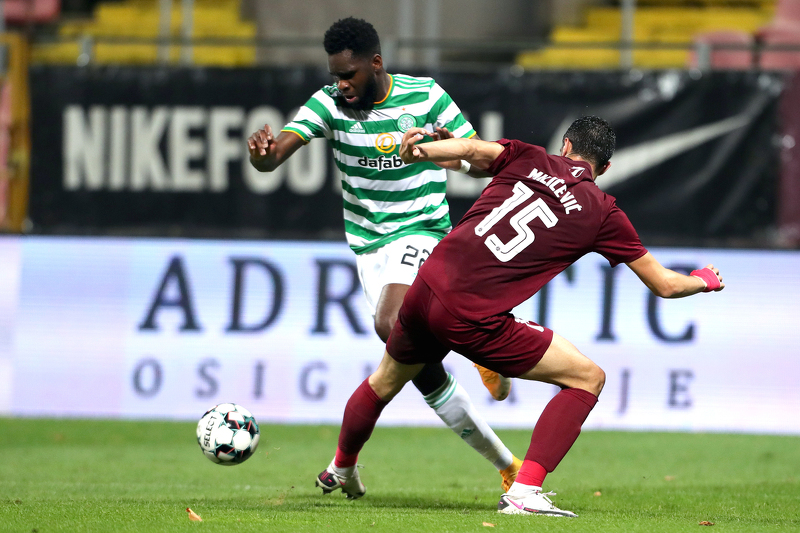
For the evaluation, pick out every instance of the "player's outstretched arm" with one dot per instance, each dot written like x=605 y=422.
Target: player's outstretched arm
x=473 y=172
x=480 y=154
x=267 y=152
x=667 y=283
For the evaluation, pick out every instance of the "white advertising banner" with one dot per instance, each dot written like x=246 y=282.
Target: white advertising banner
x=146 y=328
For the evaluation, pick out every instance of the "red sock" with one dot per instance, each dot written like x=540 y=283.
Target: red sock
x=531 y=473
x=360 y=415
x=559 y=427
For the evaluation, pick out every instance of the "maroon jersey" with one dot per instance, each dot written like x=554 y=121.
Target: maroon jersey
x=539 y=214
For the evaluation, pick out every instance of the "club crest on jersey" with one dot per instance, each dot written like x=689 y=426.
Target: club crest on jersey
x=406 y=122
x=385 y=143
x=577 y=171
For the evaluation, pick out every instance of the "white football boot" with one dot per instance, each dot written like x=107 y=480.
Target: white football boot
x=328 y=480
x=530 y=502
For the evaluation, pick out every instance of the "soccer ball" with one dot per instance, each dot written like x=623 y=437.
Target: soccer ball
x=228 y=434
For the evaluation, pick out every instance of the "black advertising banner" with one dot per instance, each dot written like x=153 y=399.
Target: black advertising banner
x=161 y=151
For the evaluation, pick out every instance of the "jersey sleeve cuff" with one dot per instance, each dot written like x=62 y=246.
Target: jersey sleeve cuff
x=305 y=139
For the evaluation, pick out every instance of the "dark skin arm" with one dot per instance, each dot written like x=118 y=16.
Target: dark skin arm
x=267 y=152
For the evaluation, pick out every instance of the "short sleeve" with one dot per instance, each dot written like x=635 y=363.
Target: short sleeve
x=312 y=120
x=509 y=154
x=446 y=114
x=617 y=240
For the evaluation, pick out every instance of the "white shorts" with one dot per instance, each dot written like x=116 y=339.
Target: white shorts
x=397 y=262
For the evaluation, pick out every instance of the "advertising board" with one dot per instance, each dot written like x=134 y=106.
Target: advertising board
x=156 y=328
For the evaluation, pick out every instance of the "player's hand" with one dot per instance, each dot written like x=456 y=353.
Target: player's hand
x=409 y=152
x=711 y=277
x=261 y=143
x=441 y=133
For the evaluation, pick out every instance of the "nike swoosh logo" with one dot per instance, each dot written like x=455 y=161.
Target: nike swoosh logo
x=634 y=160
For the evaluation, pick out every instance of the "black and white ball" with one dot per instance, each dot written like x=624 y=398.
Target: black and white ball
x=228 y=434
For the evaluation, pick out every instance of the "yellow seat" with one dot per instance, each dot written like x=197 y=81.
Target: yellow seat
x=140 y=19
x=666 y=22
x=56 y=53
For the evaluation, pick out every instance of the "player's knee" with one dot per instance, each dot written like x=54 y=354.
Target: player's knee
x=595 y=379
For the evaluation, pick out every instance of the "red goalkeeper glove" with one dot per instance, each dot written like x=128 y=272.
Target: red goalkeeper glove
x=709 y=278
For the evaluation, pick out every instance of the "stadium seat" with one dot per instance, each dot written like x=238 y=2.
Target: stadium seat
x=783 y=30
x=722 y=58
x=787 y=12
x=672 y=23
x=140 y=20
x=780 y=59
x=27 y=11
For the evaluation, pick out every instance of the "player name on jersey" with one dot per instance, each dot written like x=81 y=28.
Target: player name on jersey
x=551 y=182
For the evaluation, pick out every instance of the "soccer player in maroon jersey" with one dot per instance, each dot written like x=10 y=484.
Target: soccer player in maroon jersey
x=539 y=214
x=364 y=107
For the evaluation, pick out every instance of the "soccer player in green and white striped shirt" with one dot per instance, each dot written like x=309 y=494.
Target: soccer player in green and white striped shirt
x=394 y=213
x=384 y=199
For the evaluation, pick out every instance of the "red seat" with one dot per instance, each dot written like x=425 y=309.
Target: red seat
x=787 y=11
x=726 y=58
x=780 y=59
x=27 y=11
x=783 y=30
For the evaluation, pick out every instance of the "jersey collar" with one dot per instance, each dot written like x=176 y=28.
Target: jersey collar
x=389 y=92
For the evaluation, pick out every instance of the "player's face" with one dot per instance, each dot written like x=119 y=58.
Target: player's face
x=356 y=79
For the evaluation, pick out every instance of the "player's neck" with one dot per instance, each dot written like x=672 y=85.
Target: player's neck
x=384 y=86
x=576 y=157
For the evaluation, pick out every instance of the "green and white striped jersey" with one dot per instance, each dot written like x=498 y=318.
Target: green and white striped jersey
x=385 y=199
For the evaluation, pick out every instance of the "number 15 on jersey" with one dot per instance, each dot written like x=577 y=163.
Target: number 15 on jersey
x=536 y=209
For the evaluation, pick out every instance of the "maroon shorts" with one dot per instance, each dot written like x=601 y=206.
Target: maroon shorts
x=425 y=332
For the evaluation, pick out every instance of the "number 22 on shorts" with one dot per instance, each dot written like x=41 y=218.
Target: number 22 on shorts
x=536 y=209
x=409 y=256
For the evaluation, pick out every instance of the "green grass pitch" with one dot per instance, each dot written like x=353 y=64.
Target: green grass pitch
x=101 y=476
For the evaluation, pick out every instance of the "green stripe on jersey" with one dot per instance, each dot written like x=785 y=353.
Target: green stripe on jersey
x=431 y=187
x=366 y=144
x=372 y=127
x=378 y=218
x=294 y=129
x=419 y=228
x=401 y=80
x=405 y=171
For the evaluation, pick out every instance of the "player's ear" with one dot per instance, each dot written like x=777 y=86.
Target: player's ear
x=605 y=168
x=377 y=62
x=566 y=147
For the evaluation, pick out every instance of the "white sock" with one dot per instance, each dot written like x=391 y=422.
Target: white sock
x=519 y=490
x=345 y=471
x=455 y=408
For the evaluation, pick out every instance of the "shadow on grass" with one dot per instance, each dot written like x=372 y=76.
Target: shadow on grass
x=334 y=502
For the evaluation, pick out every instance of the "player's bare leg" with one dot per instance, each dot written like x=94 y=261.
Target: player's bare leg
x=446 y=397
x=565 y=366
x=390 y=377
x=558 y=427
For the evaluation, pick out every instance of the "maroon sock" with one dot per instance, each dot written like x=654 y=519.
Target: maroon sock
x=360 y=415
x=559 y=426
x=531 y=473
